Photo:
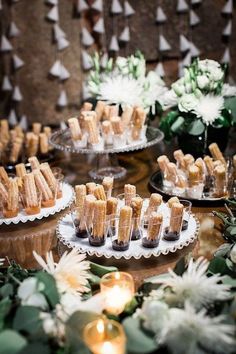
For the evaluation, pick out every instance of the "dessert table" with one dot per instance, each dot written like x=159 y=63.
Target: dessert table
x=18 y=241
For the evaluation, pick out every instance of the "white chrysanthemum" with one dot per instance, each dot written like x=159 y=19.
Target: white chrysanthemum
x=228 y=90
x=185 y=330
x=209 y=108
x=195 y=286
x=71 y=272
x=121 y=90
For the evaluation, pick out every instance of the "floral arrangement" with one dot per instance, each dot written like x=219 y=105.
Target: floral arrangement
x=125 y=81
x=191 y=309
x=198 y=99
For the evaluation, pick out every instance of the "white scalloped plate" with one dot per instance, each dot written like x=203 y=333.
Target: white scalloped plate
x=66 y=234
x=61 y=204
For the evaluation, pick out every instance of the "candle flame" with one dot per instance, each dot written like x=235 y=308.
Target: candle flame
x=100 y=326
x=117 y=275
x=107 y=348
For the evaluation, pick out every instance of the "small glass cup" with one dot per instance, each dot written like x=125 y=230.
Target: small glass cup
x=120 y=235
x=60 y=180
x=187 y=211
x=122 y=201
x=49 y=203
x=81 y=144
x=98 y=146
x=119 y=140
x=117 y=290
x=108 y=139
x=196 y=191
x=152 y=234
x=8 y=213
x=78 y=223
x=173 y=231
x=29 y=208
x=137 y=229
x=97 y=234
x=105 y=337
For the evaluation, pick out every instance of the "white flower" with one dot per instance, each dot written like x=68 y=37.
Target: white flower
x=179 y=87
x=195 y=286
x=29 y=293
x=71 y=272
x=71 y=303
x=233 y=254
x=153 y=313
x=121 y=62
x=202 y=81
x=53 y=325
x=2 y=261
x=216 y=74
x=209 y=108
x=228 y=90
x=185 y=330
x=208 y=65
x=122 y=90
x=187 y=102
x=169 y=99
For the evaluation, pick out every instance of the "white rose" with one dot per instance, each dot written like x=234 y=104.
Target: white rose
x=178 y=87
x=29 y=293
x=121 y=62
x=154 y=314
x=202 y=81
x=233 y=254
x=208 y=65
x=216 y=74
x=187 y=103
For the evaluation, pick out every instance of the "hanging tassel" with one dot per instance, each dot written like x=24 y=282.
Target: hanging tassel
x=12 y=118
x=182 y=6
x=194 y=18
x=97 y=5
x=53 y=14
x=5 y=44
x=180 y=69
x=116 y=7
x=64 y=75
x=227 y=31
x=160 y=70
x=81 y=6
x=13 y=30
x=125 y=35
x=17 y=62
x=160 y=16
x=62 y=43
x=62 y=99
x=87 y=62
x=184 y=43
x=195 y=2
x=163 y=44
x=17 y=96
x=128 y=9
x=24 y=123
x=195 y=52
x=56 y=69
x=104 y=60
x=52 y=2
x=114 y=46
x=87 y=38
x=99 y=26
x=187 y=59
x=228 y=8
x=0 y=5
x=226 y=57
x=58 y=32
x=6 y=84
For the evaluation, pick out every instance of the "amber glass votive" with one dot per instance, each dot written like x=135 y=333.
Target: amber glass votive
x=105 y=337
x=117 y=289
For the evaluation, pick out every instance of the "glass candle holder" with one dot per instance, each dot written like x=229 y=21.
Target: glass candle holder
x=117 y=290
x=187 y=211
x=105 y=337
x=120 y=234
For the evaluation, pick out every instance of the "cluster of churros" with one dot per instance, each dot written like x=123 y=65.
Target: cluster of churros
x=191 y=178
x=28 y=190
x=16 y=145
x=105 y=127
x=125 y=218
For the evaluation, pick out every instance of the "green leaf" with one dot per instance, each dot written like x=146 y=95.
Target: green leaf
x=177 y=125
x=50 y=288
x=94 y=279
x=5 y=306
x=36 y=348
x=196 y=127
x=229 y=281
x=74 y=331
x=138 y=341
x=11 y=342
x=6 y=290
x=99 y=270
x=218 y=266
x=230 y=104
x=27 y=319
x=223 y=250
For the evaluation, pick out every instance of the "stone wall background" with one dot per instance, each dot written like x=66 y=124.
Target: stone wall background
x=35 y=47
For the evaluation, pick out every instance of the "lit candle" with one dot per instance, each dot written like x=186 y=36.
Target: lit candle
x=117 y=289
x=105 y=337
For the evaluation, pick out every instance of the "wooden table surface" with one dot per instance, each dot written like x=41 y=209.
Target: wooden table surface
x=18 y=241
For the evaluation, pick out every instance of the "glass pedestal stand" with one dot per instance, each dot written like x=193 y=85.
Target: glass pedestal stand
x=106 y=160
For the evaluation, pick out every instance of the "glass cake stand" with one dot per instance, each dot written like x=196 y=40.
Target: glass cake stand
x=106 y=159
